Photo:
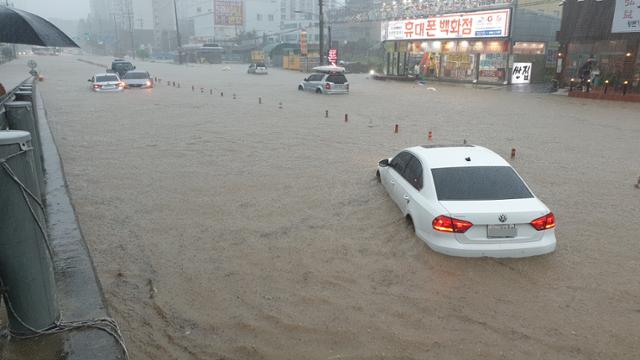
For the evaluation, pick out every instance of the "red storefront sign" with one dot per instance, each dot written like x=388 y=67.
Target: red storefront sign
x=333 y=56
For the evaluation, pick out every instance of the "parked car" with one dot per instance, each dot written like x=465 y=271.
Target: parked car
x=120 y=67
x=106 y=83
x=466 y=200
x=326 y=80
x=257 y=68
x=137 y=79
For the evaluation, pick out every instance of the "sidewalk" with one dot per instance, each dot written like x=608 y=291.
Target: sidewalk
x=611 y=94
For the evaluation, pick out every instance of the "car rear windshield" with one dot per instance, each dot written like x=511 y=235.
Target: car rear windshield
x=106 y=78
x=479 y=183
x=261 y=65
x=337 y=79
x=136 y=75
x=126 y=66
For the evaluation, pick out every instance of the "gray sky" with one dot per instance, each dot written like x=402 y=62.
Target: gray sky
x=63 y=9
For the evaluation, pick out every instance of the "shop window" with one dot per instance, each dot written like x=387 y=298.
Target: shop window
x=459 y=67
x=492 y=68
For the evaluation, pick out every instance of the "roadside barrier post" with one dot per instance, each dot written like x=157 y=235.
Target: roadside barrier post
x=26 y=270
x=23 y=95
x=20 y=117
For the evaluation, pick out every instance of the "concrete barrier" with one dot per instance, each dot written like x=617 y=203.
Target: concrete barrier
x=26 y=268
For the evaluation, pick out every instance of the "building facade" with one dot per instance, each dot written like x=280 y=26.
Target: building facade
x=603 y=38
x=496 y=45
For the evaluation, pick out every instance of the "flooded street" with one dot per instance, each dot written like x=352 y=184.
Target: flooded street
x=222 y=228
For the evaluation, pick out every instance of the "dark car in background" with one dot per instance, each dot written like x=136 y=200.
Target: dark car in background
x=120 y=67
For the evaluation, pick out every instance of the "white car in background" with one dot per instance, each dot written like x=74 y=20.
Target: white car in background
x=466 y=200
x=106 y=83
x=137 y=79
x=257 y=68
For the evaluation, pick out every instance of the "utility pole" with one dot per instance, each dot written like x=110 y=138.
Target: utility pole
x=321 y=35
x=129 y=6
x=115 y=30
x=175 y=13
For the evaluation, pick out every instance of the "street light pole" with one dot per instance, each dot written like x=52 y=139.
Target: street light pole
x=321 y=35
x=175 y=13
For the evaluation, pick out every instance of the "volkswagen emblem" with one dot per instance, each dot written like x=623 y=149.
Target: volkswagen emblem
x=502 y=218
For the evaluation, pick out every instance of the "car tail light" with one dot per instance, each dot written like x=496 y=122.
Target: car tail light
x=97 y=86
x=449 y=224
x=121 y=84
x=327 y=86
x=545 y=222
x=148 y=82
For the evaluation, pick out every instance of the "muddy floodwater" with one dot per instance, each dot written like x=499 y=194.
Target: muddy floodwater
x=222 y=228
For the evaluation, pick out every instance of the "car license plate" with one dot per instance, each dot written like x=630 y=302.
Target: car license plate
x=502 y=231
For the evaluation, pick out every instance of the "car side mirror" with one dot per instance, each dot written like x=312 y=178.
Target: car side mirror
x=89 y=80
x=306 y=79
x=383 y=163
x=134 y=68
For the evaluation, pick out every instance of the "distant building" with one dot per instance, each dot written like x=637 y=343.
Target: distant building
x=111 y=25
x=297 y=16
x=262 y=17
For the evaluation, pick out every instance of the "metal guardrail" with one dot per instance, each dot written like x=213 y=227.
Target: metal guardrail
x=10 y=96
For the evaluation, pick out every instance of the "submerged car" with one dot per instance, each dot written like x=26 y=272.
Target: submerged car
x=106 y=83
x=466 y=200
x=137 y=79
x=326 y=80
x=257 y=68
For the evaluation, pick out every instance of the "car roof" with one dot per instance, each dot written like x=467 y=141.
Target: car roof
x=105 y=74
x=329 y=69
x=137 y=71
x=443 y=156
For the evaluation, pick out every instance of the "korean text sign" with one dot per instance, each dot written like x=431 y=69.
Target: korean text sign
x=521 y=73
x=478 y=24
x=228 y=13
x=626 y=17
x=333 y=56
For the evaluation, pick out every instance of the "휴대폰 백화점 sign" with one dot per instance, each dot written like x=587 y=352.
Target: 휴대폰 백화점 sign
x=478 y=24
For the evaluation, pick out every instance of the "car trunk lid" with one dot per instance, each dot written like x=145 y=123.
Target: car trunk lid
x=498 y=221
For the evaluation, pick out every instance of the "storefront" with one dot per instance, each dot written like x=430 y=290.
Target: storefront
x=463 y=47
x=608 y=50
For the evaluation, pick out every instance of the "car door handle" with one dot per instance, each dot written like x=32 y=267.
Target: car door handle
x=406 y=197
x=392 y=182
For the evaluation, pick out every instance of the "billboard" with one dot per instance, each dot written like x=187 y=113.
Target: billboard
x=626 y=17
x=477 y=24
x=228 y=13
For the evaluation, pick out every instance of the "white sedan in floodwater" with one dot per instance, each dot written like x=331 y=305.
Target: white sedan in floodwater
x=466 y=200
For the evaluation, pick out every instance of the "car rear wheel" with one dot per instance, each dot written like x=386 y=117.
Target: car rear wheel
x=410 y=223
x=300 y=87
x=318 y=91
x=378 y=176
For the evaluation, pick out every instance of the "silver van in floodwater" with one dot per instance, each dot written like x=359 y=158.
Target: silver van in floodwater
x=326 y=80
